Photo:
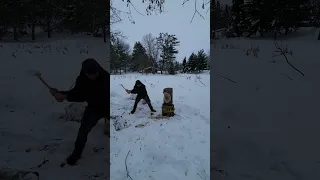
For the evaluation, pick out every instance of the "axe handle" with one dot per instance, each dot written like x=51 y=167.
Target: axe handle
x=123 y=87
x=44 y=82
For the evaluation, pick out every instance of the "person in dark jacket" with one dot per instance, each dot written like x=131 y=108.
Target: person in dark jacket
x=92 y=86
x=141 y=91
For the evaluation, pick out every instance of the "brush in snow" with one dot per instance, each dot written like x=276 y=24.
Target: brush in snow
x=119 y=123
x=15 y=174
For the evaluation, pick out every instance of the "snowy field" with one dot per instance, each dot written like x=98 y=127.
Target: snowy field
x=34 y=135
x=172 y=149
x=266 y=114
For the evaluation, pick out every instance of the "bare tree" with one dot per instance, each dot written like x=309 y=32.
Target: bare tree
x=150 y=44
x=153 y=7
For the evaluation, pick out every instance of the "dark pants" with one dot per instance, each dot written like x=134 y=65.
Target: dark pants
x=89 y=120
x=138 y=99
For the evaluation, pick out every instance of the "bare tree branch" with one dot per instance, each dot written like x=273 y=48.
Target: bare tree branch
x=283 y=52
x=154 y=6
x=196 y=9
x=128 y=175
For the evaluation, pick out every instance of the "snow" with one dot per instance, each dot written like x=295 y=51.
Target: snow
x=266 y=124
x=174 y=148
x=32 y=129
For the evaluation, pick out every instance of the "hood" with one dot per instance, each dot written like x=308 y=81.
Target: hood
x=138 y=82
x=90 y=66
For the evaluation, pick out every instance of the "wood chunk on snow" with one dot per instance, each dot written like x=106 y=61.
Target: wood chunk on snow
x=74 y=111
x=119 y=123
x=15 y=174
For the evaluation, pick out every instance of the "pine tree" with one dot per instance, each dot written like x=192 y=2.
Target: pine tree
x=192 y=63
x=238 y=24
x=184 y=65
x=139 y=59
x=201 y=61
x=167 y=44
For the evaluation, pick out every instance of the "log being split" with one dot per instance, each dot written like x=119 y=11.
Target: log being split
x=15 y=174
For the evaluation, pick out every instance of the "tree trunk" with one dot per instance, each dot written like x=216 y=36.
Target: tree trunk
x=49 y=29
x=49 y=26
x=33 y=31
x=15 y=33
x=1 y=30
x=286 y=30
x=104 y=33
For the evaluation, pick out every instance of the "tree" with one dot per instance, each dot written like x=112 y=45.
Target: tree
x=250 y=17
x=53 y=15
x=167 y=44
x=120 y=55
x=152 y=7
x=150 y=44
x=139 y=57
x=201 y=61
x=184 y=65
x=192 y=63
x=238 y=24
x=208 y=60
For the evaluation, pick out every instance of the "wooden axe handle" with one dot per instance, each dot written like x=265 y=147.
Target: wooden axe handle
x=123 y=87
x=43 y=81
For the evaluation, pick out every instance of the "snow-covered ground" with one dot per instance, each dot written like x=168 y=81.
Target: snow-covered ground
x=265 y=114
x=172 y=149
x=32 y=132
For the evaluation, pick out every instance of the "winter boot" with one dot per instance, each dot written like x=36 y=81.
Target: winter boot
x=71 y=160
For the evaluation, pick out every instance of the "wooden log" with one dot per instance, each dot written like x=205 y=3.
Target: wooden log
x=167 y=96
x=167 y=106
x=168 y=110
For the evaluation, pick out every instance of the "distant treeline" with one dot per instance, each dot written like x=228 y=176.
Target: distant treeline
x=22 y=17
x=249 y=17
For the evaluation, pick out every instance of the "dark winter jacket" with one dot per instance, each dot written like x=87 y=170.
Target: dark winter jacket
x=139 y=90
x=95 y=92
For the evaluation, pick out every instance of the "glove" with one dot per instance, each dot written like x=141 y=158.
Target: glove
x=53 y=91
x=60 y=97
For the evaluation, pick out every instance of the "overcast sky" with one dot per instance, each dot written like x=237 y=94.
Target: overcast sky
x=176 y=20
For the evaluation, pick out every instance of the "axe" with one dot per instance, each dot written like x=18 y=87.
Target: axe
x=38 y=75
x=124 y=88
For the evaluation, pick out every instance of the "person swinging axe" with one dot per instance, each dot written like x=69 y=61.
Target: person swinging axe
x=141 y=91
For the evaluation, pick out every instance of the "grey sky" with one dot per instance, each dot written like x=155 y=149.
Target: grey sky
x=176 y=20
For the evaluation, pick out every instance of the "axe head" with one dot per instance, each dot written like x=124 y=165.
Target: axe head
x=34 y=72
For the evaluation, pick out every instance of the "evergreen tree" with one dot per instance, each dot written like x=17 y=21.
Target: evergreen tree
x=139 y=57
x=53 y=15
x=167 y=44
x=201 y=61
x=184 y=65
x=192 y=63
